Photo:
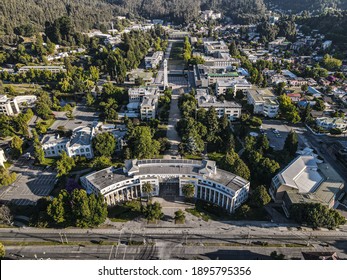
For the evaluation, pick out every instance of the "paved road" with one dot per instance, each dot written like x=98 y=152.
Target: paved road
x=172 y=243
x=174 y=117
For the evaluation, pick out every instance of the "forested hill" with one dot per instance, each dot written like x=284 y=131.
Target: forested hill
x=86 y=13
x=308 y=5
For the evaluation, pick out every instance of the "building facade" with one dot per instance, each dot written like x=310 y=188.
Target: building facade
x=264 y=102
x=330 y=123
x=8 y=107
x=211 y=184
x=153 y=60
x=53 y=69
x=306 y=180
x=229 y=108
x=80 y=144
x=2 y=158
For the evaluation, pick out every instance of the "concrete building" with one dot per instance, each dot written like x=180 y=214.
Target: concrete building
x=264 y=102
x=215 y=48
x=211 y=184
x=235 y=84
x=2 y=158
x=210 y=14
x=206 y=76
x=80 y=143
x=8 y=107
x=306 y=180
x=153 y=60
x=165 y=74
x=53 y=69
x=148 y=107
x=144 y=100
x=229 y=108
x=329 y=123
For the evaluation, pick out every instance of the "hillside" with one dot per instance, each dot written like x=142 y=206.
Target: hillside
x=309 y=5
x=88 y=13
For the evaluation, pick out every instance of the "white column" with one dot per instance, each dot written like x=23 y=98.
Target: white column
x=136 y=191
x=214 y=196
x=218 y=197
x=227 y=203
x=205 y=193
x=201 y=189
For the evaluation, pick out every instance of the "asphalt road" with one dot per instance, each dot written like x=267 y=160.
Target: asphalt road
x=227 y=243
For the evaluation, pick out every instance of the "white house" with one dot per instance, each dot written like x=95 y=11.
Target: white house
x=329 y=123
x=80 y=143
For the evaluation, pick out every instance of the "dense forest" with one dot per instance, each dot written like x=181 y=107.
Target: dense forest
x=332 y=24
x=308 y=5
x=86 y=14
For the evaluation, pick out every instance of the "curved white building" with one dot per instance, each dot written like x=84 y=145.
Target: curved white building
x=167 y=178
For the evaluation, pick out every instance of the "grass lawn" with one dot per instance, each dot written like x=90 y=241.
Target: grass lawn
x=125 y=212
x=177 y=51
x=22 y=88
x=194 y=157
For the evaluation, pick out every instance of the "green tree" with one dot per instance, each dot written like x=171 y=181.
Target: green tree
x=6 y=216
x=80 y=208
x=232 y=163
x=234 y=52
x=153 y=211
x=331 y=63
x=188 y=190
x=101 y=162
x=260 y=197
x=2 y=251
x=6 y=177
x=89 y=99
x=94 y=73
x=288 y=109
x=58 y=209
x=291 y=143
x=16 y=145
x=65 y=164
x=142 y=144
x=98 y=209
x=319 y=105
x=263 y=143
x=316 y=215
x=147 y=188
x=104 y=144
x=180 y=217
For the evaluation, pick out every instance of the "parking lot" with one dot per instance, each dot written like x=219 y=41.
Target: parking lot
x=83 y=116
x=277 y=132
x=32 y=183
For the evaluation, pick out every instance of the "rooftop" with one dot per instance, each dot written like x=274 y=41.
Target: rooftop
x=106 y=177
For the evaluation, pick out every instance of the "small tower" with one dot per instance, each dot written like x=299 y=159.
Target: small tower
x=166 y=83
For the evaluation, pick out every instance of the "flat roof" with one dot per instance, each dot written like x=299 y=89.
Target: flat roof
x=109 y=176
